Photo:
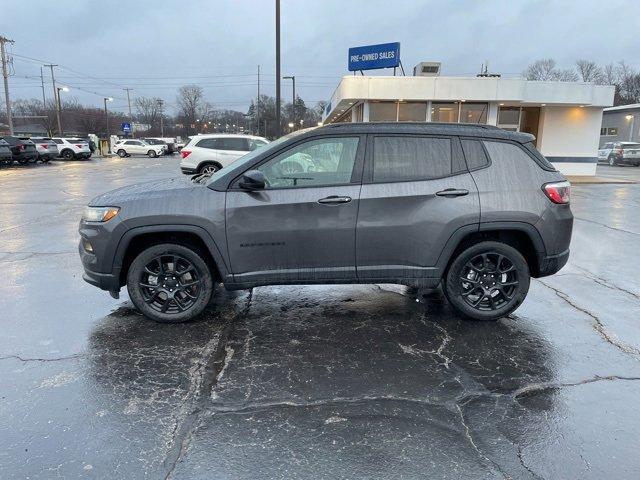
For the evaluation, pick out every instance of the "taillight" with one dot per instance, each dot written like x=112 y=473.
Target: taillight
x=44 y=145
x=558 y=192
x=185 y=153
x=22 y=146
x=619 y=151
x=79 y=146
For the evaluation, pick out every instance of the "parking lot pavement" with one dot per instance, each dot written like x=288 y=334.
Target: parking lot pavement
x=359 y=381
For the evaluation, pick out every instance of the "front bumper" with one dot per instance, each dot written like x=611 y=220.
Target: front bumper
x=104 y=281
x=550 y=264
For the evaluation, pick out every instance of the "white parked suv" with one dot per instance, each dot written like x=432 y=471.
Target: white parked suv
x=126 y=148
x=72 y=148
x=210 y=152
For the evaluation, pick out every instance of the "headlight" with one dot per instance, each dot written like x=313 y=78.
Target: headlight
x=99 y=214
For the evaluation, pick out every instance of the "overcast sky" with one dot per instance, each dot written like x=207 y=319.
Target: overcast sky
x=156 y=46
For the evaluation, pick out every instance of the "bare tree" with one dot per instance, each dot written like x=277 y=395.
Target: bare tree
x=190 y=104
x=148 y=110
x=564 y=75
x=589 y=71
x=543 y=69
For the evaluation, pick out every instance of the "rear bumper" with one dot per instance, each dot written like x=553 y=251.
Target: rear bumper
x=550 y=264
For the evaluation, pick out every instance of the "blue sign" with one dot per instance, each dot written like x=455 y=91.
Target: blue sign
x=126 y=127
x=370 y=57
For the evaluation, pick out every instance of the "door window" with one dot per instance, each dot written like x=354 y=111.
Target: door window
x=397 y=159
x=474 y=154
x=327 y=161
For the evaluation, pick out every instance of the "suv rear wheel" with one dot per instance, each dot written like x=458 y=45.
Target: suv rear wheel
x=487 y=281
x=209 y=168
x=152 y=154
x=170 y=283
x=68 y=154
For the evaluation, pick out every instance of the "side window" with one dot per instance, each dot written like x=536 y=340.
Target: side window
x=474 y=154
x=410 y=158
x=58 y=141
x=501 y=152
x=254 y=144
x=235 y=144
x=130 y=142
x=608 y=145
x=327 y=161
x=208 y=143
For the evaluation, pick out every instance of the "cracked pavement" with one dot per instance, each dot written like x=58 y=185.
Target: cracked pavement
x=355 y=381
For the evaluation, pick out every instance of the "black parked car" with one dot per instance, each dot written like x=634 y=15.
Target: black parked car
x=23 y=151
x=6 y=158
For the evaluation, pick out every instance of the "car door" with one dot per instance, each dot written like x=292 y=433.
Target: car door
x=229 y=149
x=301 y=227
x=416 y=192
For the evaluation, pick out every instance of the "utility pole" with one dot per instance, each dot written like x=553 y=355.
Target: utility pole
x=278 y=68
x=44 y=99
x=161 y=103
x=129 y=103
x=5 y=75
x=55 y=98
x=258 y=103
x=293 y=105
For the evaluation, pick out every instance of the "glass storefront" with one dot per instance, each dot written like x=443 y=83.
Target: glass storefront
x=473 y=112
x=445 y=112
x=412 y=112
x=383 y=111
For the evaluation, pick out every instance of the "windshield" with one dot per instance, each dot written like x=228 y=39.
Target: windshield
x=239 y=164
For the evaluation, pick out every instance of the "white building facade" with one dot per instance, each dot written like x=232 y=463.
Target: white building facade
x=565 y=117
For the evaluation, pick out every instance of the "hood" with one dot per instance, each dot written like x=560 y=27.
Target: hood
x=157 y=189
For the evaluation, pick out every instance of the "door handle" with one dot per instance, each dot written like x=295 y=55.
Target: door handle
x=334 y=200
x=453 y=192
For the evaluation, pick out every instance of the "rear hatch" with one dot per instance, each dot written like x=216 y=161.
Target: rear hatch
x=631 y=151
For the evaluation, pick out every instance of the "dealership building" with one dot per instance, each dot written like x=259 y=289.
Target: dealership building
x=621 y=124
x=565 y=117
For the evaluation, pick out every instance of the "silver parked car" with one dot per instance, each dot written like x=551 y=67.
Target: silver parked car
x=46 y=147
x=474 y=208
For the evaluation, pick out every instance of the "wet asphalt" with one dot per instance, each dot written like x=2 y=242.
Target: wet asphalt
x=363 y=381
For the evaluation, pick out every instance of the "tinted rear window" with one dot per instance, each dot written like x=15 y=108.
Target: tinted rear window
x=237 y=144
x=523 y=153
x=410 y=158
x=474 y=154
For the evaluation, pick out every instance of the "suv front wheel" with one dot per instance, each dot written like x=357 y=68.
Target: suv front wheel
x=170 y=283
x=487 y=281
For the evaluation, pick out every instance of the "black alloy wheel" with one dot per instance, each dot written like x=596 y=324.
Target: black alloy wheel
x=170 y=283
x=68 y=155
x=487 y=281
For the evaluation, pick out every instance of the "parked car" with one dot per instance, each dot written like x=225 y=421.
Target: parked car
x=22 y=151
x=474 y=208
x=620 y=153
x=168 y=141
x=72 y=148
x=47 y=148
x=211 y=152
x=126 y=148
x=6 y=157
x=154 y=141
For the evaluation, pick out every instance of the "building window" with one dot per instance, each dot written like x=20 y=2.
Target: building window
x=412 y=112
x=445 y=112
x=609 y=131
x=383 y=112
x=397 y=159
x=509 y=117
x=473 y=112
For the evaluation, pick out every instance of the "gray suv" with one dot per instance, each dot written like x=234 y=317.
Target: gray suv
x=472 y=207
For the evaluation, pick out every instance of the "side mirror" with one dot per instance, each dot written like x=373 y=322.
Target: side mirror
x=252 y=180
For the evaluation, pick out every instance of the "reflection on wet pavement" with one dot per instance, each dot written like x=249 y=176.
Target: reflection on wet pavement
x=356 y=381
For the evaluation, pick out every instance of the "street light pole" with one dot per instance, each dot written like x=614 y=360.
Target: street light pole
x=278 y=100
x=293 y=105
x=130 y=116
x=106 y=118
x=5 y=75
x=161 y=104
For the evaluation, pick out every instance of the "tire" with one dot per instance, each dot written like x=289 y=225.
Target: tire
x=68 y=155
x=612 y=161
x=23 y=161
x=463 y=285
x=209 y=168
x=121 y=153
x=152 y=154
x=44 y=159
x=149 y=293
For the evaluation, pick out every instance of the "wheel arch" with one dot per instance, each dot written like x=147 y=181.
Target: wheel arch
x=524 y=237
x=138 y=239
